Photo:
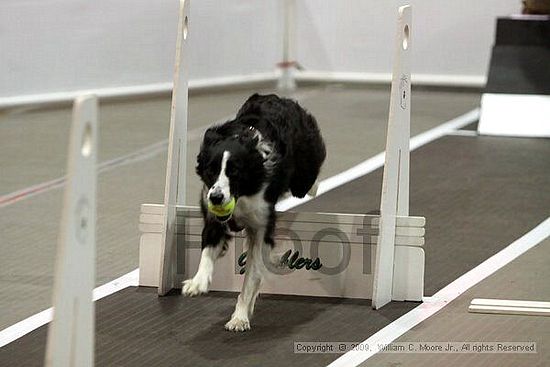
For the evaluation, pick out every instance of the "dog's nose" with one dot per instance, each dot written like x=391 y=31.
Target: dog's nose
x=216 y=197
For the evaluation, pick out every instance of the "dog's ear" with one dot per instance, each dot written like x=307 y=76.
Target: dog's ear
x=201 y=162
x=211 y=136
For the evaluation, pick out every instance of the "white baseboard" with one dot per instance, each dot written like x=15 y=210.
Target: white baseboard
x=240 y=80
x=233 y=80
x=470 y=81
x=136 y=90
x=61 y=97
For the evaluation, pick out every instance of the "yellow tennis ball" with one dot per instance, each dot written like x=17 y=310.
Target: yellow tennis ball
x=222 y=210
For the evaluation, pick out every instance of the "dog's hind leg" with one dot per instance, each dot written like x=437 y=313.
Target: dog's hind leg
x=214 y=245
x=251 y=286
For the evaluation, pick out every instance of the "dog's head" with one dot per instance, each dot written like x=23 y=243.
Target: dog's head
x=232 y=163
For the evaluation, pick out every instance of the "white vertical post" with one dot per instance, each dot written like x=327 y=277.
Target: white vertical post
x=71 y=332
x=286 y=81
x=174 y=193
x=395 y=184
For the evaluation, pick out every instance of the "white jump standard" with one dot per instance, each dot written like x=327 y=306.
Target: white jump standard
x=324 y=254
x=71 y=332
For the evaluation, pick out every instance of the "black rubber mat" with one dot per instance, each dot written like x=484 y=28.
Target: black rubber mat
x=478 y=195
x=137 y=328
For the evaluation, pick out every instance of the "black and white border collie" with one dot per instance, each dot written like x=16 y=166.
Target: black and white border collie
x=272 y=147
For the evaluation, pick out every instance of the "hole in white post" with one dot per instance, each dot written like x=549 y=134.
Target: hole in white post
x=86 y=147
x=185 y=26
x=406 y=34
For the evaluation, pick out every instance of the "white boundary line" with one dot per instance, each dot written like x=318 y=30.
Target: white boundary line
x=446 y=295
x=377 y=161
x=448 y=80
x=29 y=324
x=138 y=90
x=464 y=133
x=33 y=322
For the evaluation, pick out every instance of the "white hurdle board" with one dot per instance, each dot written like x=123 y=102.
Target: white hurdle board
x=344 y=243
x=390 y=244
x=71 y=332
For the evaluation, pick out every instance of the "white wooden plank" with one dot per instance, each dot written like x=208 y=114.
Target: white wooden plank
x=71 y=332
x=149 y=255
x=405 y=221
x=195 y=237
x=527 y=311
x=395 y=184
x=157 y=209
x=373 y=220
x=309 y=229
x=353 y=232
x=174 y=193
x=509 y=303
x=195 y=225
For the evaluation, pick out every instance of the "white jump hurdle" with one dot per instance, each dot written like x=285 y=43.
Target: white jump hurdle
x=362 y=256
x=71 y=332
x=395 y=184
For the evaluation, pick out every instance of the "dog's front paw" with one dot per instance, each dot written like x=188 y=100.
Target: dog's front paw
x=238 y=324
x=194 y=287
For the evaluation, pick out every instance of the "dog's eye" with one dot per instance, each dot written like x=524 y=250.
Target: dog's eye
x=231 y=169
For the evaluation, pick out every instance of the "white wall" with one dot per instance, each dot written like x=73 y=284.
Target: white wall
x=63 y=45
x=51 y=46
x=450 y=38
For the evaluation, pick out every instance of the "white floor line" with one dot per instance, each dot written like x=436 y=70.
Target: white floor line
x=446 y=295
x=464 y=133
x=377 y=161
x=29 y=324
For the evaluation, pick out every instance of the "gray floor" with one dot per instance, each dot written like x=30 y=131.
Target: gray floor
x=478 y=194
x=136 y=328
x=471 y=190
x=33 y=147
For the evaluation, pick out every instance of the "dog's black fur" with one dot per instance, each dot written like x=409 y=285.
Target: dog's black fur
x=298 y=151
x=272 y=147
